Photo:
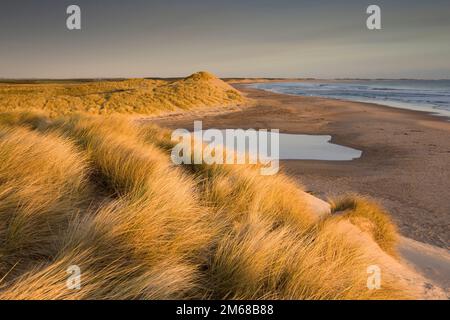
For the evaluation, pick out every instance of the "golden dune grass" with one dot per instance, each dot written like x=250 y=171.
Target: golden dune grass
x=369 y=217
x=102 y=193
x=43 y=183
x=133 y=96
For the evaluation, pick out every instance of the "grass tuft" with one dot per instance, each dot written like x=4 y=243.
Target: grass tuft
x=370 y=218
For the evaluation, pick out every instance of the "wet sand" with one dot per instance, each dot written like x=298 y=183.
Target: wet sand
x=405 y=163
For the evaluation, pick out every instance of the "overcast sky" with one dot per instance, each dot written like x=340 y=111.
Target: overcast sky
x=232 y=38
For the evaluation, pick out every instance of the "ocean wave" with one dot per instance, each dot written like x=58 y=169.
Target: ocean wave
x=424 y=95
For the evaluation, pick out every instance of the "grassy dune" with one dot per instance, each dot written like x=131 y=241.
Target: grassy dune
x=101 y=193
x=133 y=96
x=83 y=184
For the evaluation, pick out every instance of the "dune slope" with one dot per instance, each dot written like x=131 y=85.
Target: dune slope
x=139 y=227
x=133 y=96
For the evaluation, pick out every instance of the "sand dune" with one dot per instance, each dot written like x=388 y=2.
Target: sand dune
x=221 y=232
x=133 y=96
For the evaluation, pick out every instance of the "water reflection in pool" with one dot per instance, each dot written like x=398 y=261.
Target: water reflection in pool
x=310 y=147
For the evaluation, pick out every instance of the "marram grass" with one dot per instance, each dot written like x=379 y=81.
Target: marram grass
x=132 y=96
x=101 y=193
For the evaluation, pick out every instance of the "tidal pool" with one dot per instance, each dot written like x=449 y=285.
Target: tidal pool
x=314 y=147
x=301 y=146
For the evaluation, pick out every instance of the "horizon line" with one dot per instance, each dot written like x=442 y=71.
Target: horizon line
x=225 y=78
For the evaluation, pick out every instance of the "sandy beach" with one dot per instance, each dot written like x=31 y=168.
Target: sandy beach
x=405 y=163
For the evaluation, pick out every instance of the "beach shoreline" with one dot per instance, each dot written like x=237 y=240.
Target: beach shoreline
x=405 y=153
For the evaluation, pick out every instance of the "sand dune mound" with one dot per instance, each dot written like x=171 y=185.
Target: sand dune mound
x=202 y=76
x=201 y=89
x=208 y=82
x=132 y=96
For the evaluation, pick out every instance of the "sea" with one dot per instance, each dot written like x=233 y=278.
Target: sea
x=431 y=96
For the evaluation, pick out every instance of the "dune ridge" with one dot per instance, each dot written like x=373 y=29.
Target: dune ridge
x=131 y=96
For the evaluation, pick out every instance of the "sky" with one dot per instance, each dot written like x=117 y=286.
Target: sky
x=233 y=38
